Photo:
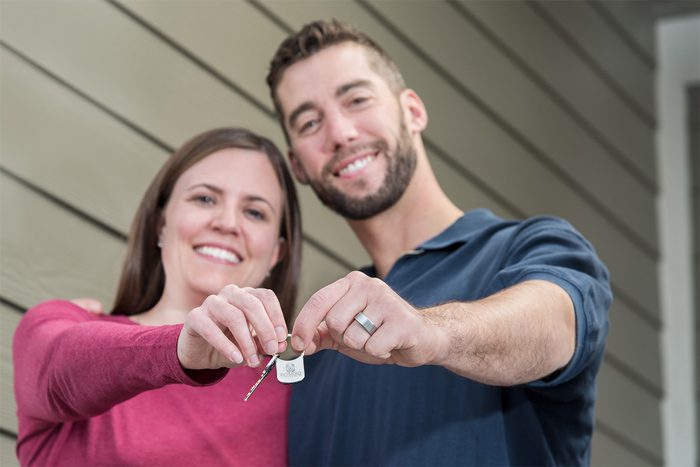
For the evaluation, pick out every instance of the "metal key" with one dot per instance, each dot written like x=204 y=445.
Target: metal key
x=265 y=372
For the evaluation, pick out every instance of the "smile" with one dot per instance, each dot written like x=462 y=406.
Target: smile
x=218 y=253
x=356 y=165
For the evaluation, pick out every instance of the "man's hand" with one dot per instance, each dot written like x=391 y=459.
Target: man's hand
x=89 y=304
x=234 y=325
x=404 y=336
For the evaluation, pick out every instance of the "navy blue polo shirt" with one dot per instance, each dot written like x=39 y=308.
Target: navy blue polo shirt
x=349 y=413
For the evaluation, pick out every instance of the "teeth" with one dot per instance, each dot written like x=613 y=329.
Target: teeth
x=218 y=253
x=355 y=166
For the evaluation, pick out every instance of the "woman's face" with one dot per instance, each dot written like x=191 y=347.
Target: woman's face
x=221 y=225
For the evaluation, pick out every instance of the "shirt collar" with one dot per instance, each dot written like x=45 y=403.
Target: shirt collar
x=461 y=230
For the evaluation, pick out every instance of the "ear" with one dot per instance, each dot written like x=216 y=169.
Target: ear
x=297 y=168
x=161 y=227
x=414 y=111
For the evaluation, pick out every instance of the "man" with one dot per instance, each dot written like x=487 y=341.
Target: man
x=470 y=340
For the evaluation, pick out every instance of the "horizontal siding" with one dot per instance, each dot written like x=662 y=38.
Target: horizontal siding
x=9 y=318
x=121 y=163
x=607 y=452
x=635 y=342
x=531 y=42
x=634 y=23
x=630 y=75
x=7 y=452
x=630 y=411
x=77 y=259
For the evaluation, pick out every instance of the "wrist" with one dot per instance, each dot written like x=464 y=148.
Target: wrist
x=438 y=336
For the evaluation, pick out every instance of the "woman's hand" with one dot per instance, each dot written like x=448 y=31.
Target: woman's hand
x=231 y=327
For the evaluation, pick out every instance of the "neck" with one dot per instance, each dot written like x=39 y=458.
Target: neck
x=422 y=213
x=170 y=309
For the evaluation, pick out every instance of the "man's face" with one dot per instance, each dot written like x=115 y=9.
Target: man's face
x=347 y=132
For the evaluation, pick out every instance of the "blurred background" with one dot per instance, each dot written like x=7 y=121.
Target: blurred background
x=535 y=107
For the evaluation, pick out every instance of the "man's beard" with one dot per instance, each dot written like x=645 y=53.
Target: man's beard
x=400 y=168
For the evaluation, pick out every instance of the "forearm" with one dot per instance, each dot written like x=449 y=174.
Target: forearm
x=98 y=365
x=68 y=367
x=518 y=335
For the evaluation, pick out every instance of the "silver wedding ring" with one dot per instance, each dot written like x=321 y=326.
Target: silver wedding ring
x=365 y=322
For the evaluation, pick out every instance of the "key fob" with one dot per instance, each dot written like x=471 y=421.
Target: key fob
x=290 y=365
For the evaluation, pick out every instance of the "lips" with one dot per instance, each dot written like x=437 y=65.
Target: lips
x=222 y=254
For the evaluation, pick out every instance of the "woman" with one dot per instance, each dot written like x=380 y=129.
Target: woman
x=150 y=384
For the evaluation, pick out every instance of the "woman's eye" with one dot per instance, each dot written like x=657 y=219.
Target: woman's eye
x=255 y=214
x=204 y=199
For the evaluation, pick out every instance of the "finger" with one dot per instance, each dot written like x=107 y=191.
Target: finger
x=232 y=318
x=384 y=340
x=255 y=314
x=200 y=324
x=314 y=312
x=364 y=357
x=274 y=310
x=341 y=318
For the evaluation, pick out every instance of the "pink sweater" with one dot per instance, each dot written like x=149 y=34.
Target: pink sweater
x=103 y=390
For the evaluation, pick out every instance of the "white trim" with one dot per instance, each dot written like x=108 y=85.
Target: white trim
x=679 y=64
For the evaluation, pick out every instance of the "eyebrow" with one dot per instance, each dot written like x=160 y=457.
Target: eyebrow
x=218 y=190
x=344 y=89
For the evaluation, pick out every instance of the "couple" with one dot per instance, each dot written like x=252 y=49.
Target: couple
x=479 y=338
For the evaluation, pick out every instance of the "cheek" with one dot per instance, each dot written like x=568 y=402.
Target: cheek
x=265 y=243
x=310 y=152
x=184 y=224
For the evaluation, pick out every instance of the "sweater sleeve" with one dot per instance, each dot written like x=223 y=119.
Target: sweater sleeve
x=70 y=364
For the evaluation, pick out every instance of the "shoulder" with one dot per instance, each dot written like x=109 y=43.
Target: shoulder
x=483 y=227
x=543 y=231
x=56 y=311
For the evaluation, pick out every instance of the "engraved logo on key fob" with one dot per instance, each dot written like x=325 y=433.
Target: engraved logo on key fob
x=290 y=364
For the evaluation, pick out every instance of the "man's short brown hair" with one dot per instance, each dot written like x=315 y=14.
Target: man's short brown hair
x=318 y=35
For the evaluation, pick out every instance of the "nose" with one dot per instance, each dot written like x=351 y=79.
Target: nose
x=340 y=130
x=226 y=220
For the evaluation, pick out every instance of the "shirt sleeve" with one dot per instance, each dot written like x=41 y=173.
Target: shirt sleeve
x=551 y=249
x=70 y=364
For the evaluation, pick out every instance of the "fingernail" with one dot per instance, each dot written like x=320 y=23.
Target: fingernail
x=236 y=357
x=281 y=333
x=271 y=347
x=297 y=343
x=254 y=361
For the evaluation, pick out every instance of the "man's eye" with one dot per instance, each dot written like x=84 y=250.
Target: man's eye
x=308 y=126
x=359 y=100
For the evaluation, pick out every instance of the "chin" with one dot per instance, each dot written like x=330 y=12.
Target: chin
x=212 y=287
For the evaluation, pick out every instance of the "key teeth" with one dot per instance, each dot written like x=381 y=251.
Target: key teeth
x=265 y=372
